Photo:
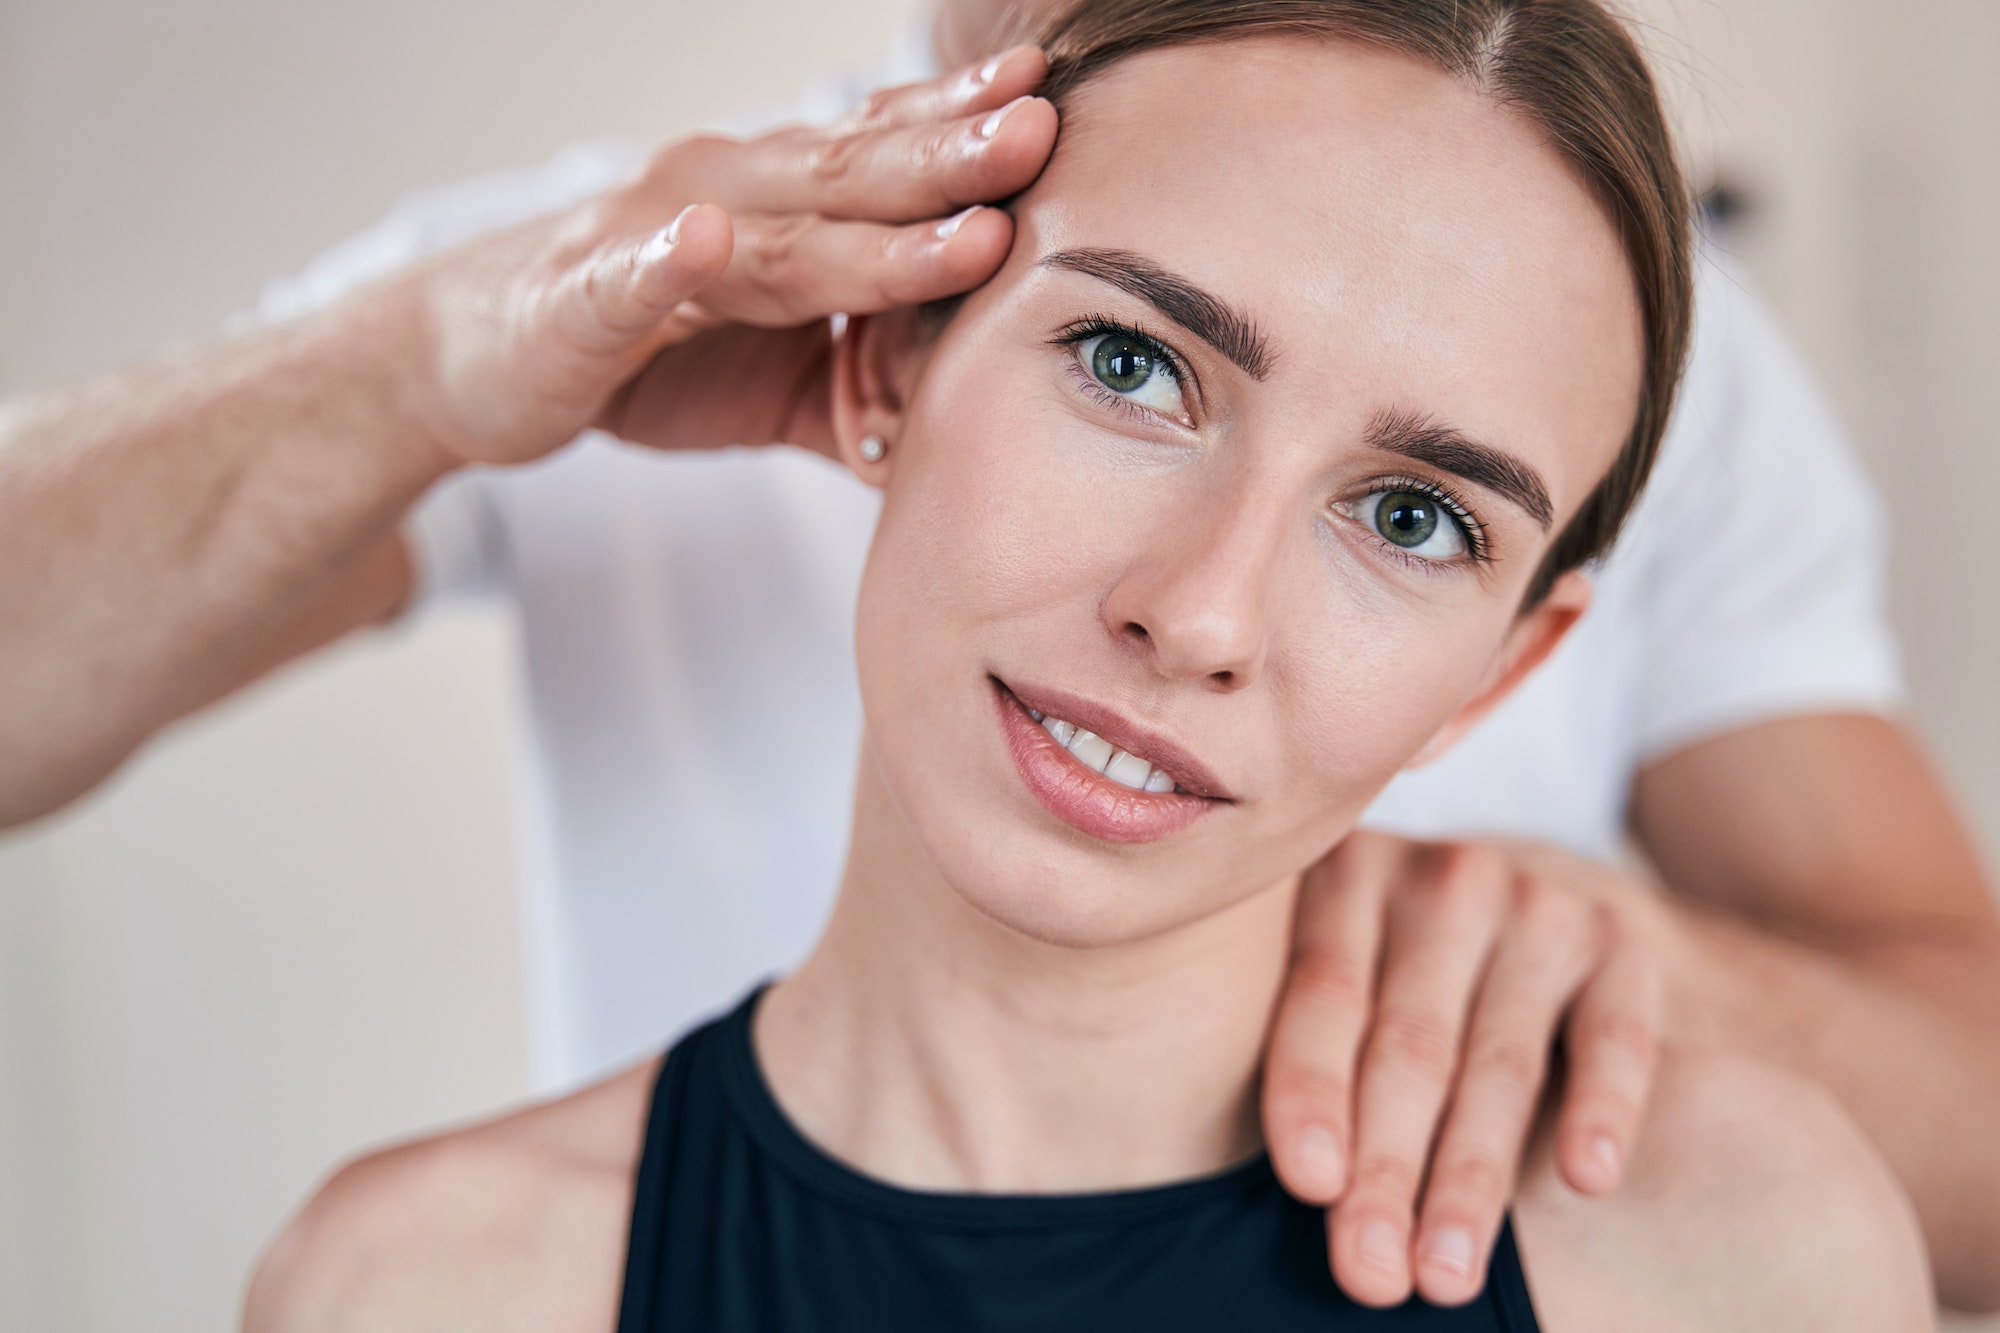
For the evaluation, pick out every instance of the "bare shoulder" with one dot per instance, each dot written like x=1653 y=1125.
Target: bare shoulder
x=1753 y=1202
x=517 y=1223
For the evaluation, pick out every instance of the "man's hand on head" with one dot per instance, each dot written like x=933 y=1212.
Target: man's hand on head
x=1411 y=1051
x=690 y=306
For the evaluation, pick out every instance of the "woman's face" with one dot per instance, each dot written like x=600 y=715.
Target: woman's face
x=1244 y=461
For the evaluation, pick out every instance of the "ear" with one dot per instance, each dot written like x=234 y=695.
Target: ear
x=1532 y=638
x=877 y=361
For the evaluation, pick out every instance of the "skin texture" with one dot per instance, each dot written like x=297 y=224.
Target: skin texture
x=1001 y=1003
x=180 y=530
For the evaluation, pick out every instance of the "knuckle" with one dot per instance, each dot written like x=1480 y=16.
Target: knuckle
x=1632 y=929
x=936 y=149
x=1624 y=1034
x=878 y=106
x=1539 y=900
x=1606 y=1109
x=901 y=278
x=1472 y=861
x=1417 y=1040
x=1303 y=1093
x=772 y=272
x=1513 y=1065
x=589 y=282
x=1463 y=877
x=774 y=246
x=831 y=158
x=1330 y=980
x=1475 y=1180
x=1553 y=912
x=1386 y=1177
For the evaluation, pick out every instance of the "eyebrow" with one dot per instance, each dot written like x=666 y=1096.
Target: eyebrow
x=1210 y=318
x=1428 y=441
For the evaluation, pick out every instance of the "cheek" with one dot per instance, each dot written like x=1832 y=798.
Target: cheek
x=974 y=565
x=1365 y=681
x=1002 y=508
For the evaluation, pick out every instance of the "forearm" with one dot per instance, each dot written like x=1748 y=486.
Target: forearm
x=1906 y=1034
x=167 y=533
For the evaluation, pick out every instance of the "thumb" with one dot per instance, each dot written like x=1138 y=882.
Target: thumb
x=616 y=299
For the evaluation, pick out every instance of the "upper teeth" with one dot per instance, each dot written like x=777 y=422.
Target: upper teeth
x=1096 y=753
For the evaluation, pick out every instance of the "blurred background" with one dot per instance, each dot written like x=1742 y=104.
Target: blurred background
x=288 y=929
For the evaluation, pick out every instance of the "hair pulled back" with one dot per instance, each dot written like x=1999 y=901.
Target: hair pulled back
x=1570 y=66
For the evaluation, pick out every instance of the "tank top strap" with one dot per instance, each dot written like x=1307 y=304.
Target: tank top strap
x=687 y=1118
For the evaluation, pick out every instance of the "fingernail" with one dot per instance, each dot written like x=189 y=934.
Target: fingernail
x=657 y=247
x=949 y=227
x=1604 y=1152
x=989 y=70
x=991 y=125
x=1381 y=1245
x=1451 y=1250
x=1319 y=1155
x=673 y=231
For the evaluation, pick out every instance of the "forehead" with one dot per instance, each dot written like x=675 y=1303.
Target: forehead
x=1403 y=241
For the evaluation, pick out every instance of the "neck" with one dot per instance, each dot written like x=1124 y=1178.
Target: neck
x=931 y=1046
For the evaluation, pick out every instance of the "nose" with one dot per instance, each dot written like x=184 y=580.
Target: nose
x=1196 y=601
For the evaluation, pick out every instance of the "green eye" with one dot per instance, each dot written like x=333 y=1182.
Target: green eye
x=1407 y=518
x=1123 y=363
x=1127 y=368
x=1418 y=524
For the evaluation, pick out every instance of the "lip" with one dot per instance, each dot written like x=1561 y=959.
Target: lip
x=1091 y=802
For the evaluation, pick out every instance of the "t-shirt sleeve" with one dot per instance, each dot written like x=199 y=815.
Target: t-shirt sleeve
x=457 y=534
x=1766 y=551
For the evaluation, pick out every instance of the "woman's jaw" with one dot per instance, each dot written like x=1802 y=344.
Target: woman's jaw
x=1190 y=473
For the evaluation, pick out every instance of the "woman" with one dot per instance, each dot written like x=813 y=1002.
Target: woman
x=1186 y=549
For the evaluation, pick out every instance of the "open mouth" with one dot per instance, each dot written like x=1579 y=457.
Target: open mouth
x=1101 y=756
x=1140 y=790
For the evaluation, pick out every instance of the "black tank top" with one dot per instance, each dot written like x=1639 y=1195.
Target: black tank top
x=739 y=1225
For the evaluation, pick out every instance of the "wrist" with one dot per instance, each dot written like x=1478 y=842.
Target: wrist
x=380 y=347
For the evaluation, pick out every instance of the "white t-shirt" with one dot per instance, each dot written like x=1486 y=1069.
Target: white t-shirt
x=692 y=713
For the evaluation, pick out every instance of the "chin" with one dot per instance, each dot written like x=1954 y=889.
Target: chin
x=1063 y=915
x=1053 y=900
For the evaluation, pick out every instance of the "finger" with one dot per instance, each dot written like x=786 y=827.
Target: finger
x=1613 y=1043
x=900 y=173
x=732 y=385
x=1544 y=955
x=1440 y=930
x=614 y=302
x=1316 y=1034
x=982 y=86
x=790 y=270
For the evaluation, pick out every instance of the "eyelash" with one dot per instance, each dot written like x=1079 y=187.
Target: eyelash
x=1090 y=326
x=1476 y=547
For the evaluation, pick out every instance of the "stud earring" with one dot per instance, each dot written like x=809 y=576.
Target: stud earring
x=873 y=447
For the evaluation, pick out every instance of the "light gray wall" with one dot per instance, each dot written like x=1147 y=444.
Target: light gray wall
x=289 y=931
